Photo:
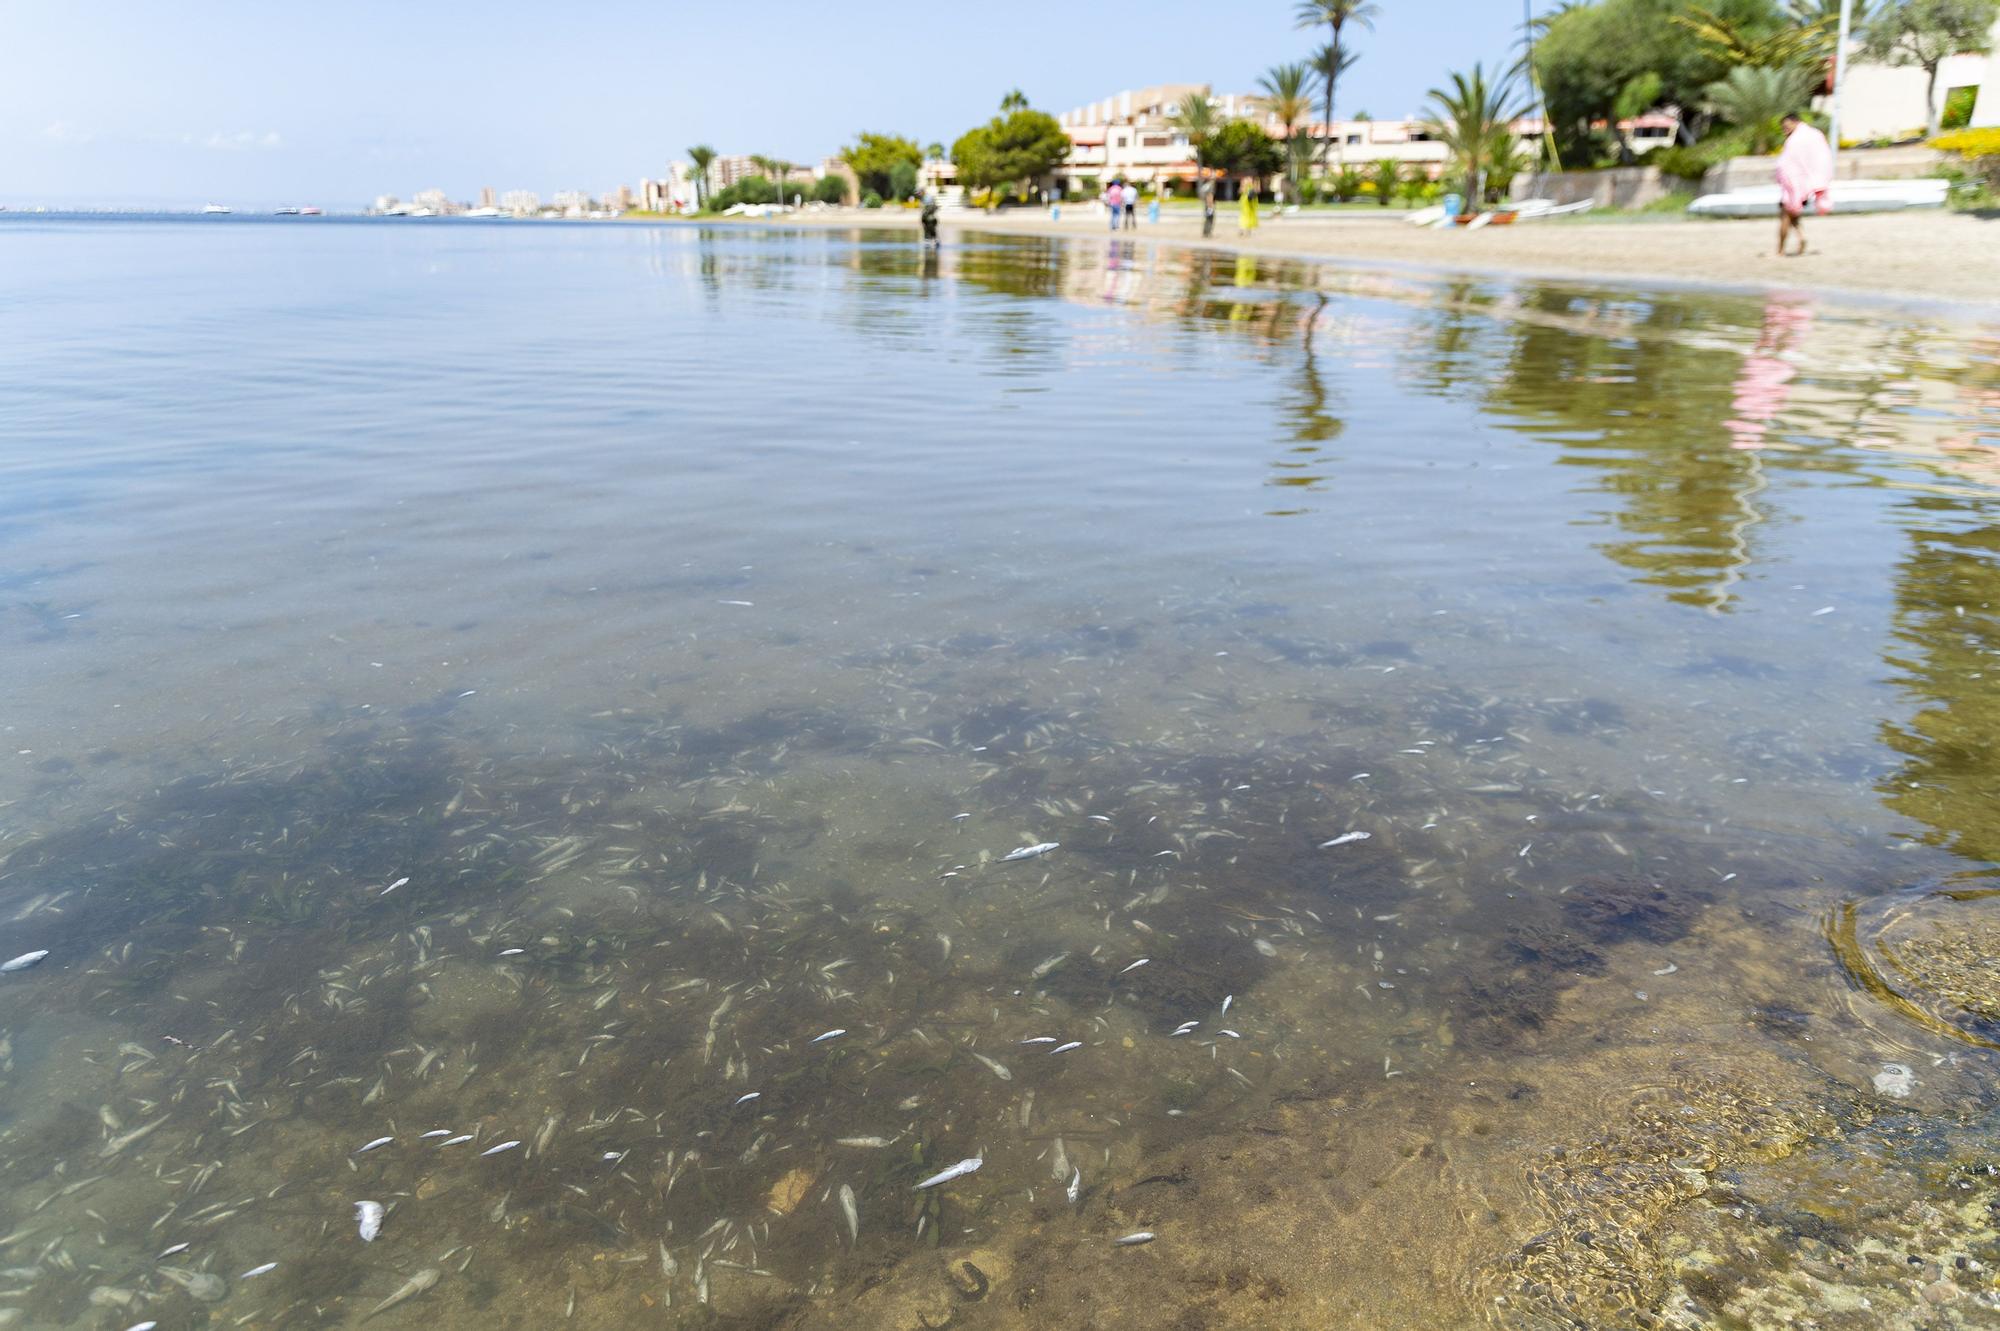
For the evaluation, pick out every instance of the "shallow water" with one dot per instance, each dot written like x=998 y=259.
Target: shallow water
x=530 y=681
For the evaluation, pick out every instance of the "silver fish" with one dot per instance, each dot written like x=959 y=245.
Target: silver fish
x=1029 y=852
x=1136 y=965
x=378 y=1142
x=142 y=1326
x=435 y=1132
x=995 y=1066
x=1040 y=1039
x=1065 y=1048
x=125 y=1139
x=863 y=1143
x=178 y=1247
x=1134 y=1240
x=746 y=1099
x=22 y=962
x=412 y=1287
x=368 y=1215
x=833 y=1034
x=392 y=887
x=496 y=1150
x=462 y=1137
x=1075 y=1187
x=1344 y=838
x=263 y=1270
x=959 y=1170
x=852 y=1210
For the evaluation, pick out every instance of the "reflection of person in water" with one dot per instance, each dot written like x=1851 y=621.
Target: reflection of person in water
x=1764 y=382
x=929 y=217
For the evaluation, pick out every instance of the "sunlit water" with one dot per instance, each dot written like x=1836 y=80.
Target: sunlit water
x=1520 y=756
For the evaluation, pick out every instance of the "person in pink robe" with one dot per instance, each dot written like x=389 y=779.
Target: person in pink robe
x=1805 y=179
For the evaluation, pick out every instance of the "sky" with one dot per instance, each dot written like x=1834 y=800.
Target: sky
x=143 y=103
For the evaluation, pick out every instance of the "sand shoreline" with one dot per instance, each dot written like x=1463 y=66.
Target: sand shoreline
x=1949 y=262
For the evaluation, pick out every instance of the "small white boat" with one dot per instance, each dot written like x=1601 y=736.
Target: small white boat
x=1849 y=196
x=213 y=209
x=1527 y=210
x=310 y=211
x=484 y=212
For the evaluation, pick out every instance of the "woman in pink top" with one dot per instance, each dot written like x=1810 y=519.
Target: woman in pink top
x=1805 y=179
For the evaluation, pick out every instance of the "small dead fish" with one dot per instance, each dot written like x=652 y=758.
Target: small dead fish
x=864 y=1143
x=994 y=1066
x=496 y=1150
x=1265 y=946
x=455 y=1141
x=1065 y=1048
x=1136 y=965
x=378 y=1142
x=1226 y=1002
x=833 y=1034
x=178 y=1247
x=142 y=1326
x=1134 y=1240
x=1029 y=852
x=368 y=1215
x=1185 y=1027
x=1075 y=1189
x=1040 y=1039
x=512 y=951
x=435 y=1132
x=263 y=1270
x=1045 y=967
x=412 y=1287
x=745 y=604
x=959 y=1170
x=1344 y=838
x=125 y=1139
x=746 y=1099
x=25 y=960
x=852 y=1210
x=392 y=887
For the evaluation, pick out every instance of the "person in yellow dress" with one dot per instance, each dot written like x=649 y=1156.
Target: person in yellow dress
x=1246 y=207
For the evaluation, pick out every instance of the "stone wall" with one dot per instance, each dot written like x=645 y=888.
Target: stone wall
x=1619 y=187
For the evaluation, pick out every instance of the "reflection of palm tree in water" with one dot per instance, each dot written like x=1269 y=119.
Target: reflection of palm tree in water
x=1762 y=386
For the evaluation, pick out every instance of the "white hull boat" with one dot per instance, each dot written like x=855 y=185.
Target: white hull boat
x=1849 y=196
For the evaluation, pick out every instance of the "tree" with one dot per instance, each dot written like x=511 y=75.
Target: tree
x=1472 y=122
x=1016 y=147
x=872 y=156
x=1385 y=181
x=1756 y=99
x=1198 y=119
x=1761 y=40
x=1014 y=101
x=1925 y=33
x=1336 y=15
x=1288 y=96
x=830 y=189
x=701 y=155
x=1242 y=148
x=934 y=151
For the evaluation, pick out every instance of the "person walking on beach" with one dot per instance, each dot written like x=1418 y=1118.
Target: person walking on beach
x=1206 y=189
x=1805 y=179
x=1246 y=207
x=1131 y=207
x=1114 y=200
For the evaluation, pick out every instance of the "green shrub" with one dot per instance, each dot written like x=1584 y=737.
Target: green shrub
x=1347 y=184
x=751 y=189
x=871 y=200
x=902 y=181
x=1684 y=164
x=830 y=189
x=1308 y=190
x=1385 y=181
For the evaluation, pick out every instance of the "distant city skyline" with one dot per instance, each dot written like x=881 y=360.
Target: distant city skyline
x=127 y=103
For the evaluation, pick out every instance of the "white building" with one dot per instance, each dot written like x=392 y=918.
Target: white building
x=521 y=202
x=1887 y=101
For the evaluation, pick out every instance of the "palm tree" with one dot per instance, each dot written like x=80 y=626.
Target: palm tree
x=1755 y=99
x=1335 y=14
x=782 y=170
x=1198 y=118
x=1288 y=96
x=701 y=155
x=1472 y=123
x=1014 y=101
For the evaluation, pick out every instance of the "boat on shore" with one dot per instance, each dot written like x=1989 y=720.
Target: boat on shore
x=1849 y=196
x=214 y=210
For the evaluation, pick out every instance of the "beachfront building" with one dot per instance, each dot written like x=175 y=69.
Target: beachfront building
x=520 y=202
x=1887 y=101
x=1136 y=136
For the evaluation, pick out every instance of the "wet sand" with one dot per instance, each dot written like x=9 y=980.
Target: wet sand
x=1927 y=258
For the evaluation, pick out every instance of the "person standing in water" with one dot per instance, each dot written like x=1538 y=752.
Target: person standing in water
x=1206 y=189
x=1246 y=207
x=1805 y=179
x=929 y=217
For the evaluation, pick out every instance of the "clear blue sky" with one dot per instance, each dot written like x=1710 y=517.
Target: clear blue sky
x=146 y=102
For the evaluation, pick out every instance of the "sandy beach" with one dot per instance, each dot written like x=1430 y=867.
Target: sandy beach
x=1924 y=257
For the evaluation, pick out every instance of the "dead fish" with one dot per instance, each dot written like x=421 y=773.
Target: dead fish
x=203 y=1286
x=392 y=887
x=178 y=1247
x=462 y=1137
x=746 y=1099
x=1065 y=1048
x=378 y=1142
x=412 y=1287
x=263 y=1270
x=1136 y=965
x=25 y=960
x=1040 y=1039
x=1075 y=1189
x=1045 y=967
x=864 y=1143
x=833 y=1034
x=512 y=951
x=496 y=1150
x=142 y=1326
x=1344 y=838
x=1134 y=1240
x=435 y=1132
x=368 y=1215
x=852 y=1210
x=1185 y=1027
x=1265 y=946
x=995 y=1066
x=1226 y=1002
x=1029 y=852
x=125 y=1139
x=959 y=1170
